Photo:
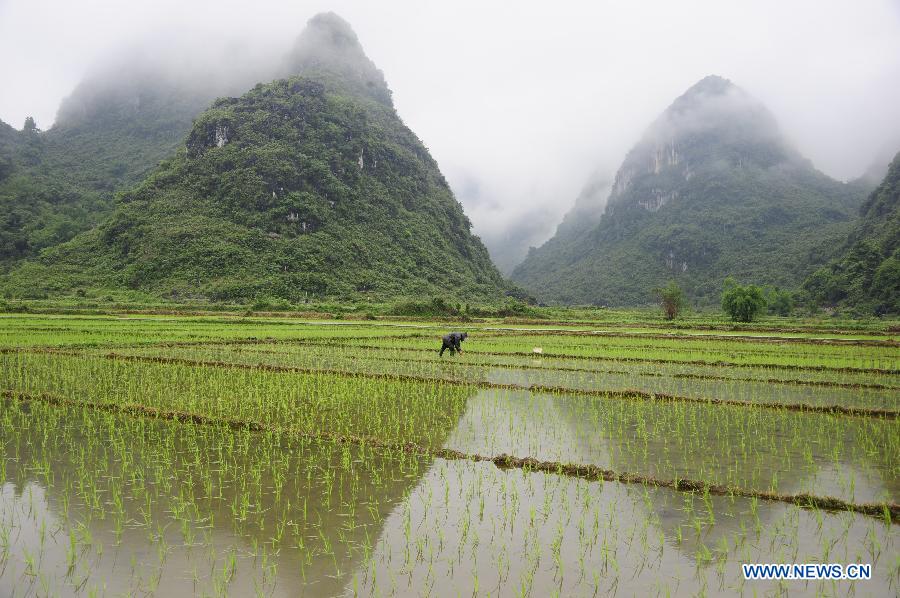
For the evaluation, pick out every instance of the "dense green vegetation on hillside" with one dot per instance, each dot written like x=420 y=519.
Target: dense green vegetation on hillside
x=866 y=276
x=311 y=188
x=712 y=190
x=301 y=188
x=57 y=183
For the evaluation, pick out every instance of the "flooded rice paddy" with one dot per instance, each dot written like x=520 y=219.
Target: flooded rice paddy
x=207 y=456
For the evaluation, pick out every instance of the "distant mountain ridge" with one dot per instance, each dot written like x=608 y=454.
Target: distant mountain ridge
x=310 y=186
x=712 y=189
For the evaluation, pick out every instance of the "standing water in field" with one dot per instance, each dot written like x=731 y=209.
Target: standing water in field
x=474 y=529
x=94 y=501
x=787 y=451
x=308 y=464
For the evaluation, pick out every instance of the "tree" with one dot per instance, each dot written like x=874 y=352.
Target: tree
x=742 y=304
x=780 y=302
x=671 y=299
x=30 y=126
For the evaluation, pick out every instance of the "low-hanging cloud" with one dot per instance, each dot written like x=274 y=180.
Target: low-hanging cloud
x=521 y=104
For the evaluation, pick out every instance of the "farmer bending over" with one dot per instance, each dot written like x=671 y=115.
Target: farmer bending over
x=451 y=341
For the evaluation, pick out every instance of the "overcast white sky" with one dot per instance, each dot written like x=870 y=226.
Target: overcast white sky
x=520 y=101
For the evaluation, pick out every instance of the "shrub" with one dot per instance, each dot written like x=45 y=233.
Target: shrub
x=671 y=299
x=742 y=304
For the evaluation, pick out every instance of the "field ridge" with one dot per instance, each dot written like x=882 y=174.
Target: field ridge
x=889 y=512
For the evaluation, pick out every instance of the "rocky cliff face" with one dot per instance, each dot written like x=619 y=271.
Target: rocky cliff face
x=711 y=189
x=715 y=125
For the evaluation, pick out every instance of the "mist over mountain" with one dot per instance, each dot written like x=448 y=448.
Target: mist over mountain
x=132 y=110
x=309 y=186
x=588 y=208
x=878 y=169
x=712 y=189
x=584 y=215
x=519 y=109
x=329 y=45
x=128 y=113
x=509 y=159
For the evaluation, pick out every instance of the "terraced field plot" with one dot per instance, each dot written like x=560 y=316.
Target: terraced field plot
x=237 y=456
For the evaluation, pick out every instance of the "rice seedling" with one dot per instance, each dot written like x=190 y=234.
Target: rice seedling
x=184 y=455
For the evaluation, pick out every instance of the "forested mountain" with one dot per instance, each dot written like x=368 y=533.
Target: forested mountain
x=866 y=275
x=712 y=189
x=307 y=186
x=123 y=119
